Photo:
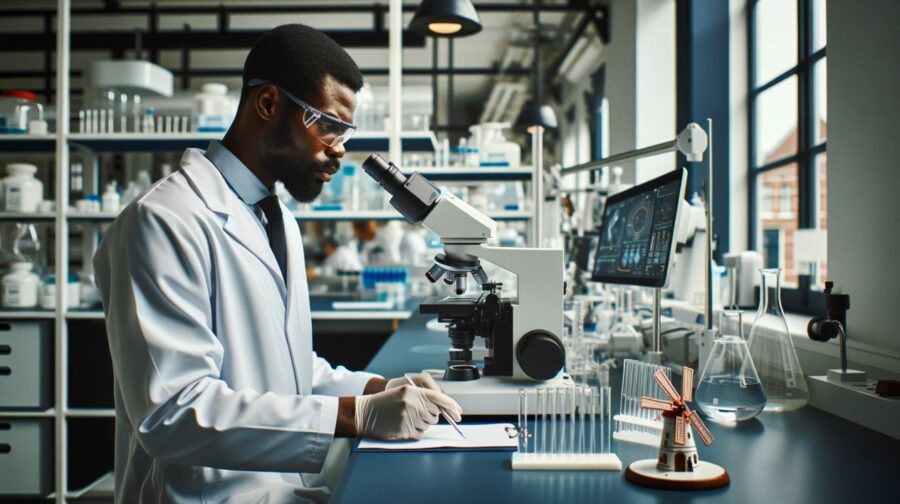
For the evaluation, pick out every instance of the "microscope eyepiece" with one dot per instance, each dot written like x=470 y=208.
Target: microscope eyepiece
x=413 y=197
x=386 y=174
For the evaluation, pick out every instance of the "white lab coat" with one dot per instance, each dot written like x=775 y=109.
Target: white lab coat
x=212 y=354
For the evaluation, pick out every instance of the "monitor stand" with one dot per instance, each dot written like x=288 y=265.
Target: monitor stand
x=654 y=355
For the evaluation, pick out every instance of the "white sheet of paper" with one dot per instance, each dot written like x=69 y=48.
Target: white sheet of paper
x=443 y=436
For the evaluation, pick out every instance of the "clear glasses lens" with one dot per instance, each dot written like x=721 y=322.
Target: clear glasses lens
x=326 y=129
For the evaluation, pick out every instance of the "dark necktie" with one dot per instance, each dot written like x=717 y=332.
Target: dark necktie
x=275 y=231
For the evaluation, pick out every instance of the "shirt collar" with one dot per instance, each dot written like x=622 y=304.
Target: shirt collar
x=242 y=181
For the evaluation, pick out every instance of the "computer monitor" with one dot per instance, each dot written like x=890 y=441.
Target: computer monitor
x=637 y=234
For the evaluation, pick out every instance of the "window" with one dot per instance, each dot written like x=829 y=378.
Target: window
x=788 y=130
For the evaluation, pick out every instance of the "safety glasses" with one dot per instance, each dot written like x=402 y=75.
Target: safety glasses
x=329 y=130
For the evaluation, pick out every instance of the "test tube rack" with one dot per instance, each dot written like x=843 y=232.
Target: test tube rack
x=634 y=423
x=570 y=430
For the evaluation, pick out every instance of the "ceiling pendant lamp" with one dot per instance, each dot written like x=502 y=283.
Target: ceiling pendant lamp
x=533 y=114
x=445 y=18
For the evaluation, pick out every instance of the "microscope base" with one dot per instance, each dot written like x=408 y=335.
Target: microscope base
x=491 y=395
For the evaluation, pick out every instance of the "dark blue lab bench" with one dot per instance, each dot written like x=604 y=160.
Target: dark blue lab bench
x=802 y=456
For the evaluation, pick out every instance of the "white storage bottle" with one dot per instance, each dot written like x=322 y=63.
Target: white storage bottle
x=20 y=286
x=111 y=199
x=496 y=150
x=213 y=109
x=23 y=192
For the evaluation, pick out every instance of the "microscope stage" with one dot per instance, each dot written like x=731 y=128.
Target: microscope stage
x=492 y=395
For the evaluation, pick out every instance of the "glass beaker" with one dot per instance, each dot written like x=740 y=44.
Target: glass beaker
x=773 y=351
x=729 y=389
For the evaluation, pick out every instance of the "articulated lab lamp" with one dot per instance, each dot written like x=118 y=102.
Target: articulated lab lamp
x=522 y=330
x=678 y=466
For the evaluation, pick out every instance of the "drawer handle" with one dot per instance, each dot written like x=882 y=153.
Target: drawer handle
x=5 y=426
x=5 y=371
x=5 y=326
x=5 y=349
x=5 y=448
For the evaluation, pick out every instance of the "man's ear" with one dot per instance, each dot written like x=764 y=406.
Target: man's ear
x=267 y=102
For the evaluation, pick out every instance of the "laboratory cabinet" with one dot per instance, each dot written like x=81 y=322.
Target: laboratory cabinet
x=26 y=461
x=25 y=365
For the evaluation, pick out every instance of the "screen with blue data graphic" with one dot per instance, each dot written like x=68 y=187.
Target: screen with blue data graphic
x=637 y=234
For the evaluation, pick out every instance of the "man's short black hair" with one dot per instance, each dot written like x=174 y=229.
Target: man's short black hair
x=298 y=58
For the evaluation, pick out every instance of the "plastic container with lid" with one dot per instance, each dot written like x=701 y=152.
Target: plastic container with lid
x=18 y=108
x=20 y=286
x=22 y=191
x=496 y=150
x=48 y=292
x=214 y=110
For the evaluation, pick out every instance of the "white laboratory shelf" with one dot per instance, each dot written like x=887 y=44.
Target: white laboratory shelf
x=386 y=215
x=377 y=141
x=102 y=488
x=141 y=142
x=91 y=413
x=94 y=216
x=9 y=313
x=453 y=173
x=361 y=315
x=50 y=413
x=364 y=141
x=77 y=314
x=14 y=143
x=27 y=217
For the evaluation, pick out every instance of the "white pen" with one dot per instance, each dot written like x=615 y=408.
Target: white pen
x=443 y=413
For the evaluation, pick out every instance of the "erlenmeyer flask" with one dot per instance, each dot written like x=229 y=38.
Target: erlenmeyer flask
x=773 y=351
x=729 y=389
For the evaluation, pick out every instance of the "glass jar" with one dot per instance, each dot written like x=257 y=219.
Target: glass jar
x=773 y=351
x=17 y=109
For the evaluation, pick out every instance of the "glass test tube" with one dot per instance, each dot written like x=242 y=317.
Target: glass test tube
x=542 y=408
x=553 y=402
x=572 y=405
x=583 y=404
x=593 y=394
x=523 y=421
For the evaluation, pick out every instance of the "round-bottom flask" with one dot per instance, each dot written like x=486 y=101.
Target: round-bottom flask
x=730 y=389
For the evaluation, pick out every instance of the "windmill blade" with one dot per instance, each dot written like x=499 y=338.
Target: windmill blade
x=679 y=430
x=656 y=404
x=687 y=384
x=666 y=385
x=701 y=429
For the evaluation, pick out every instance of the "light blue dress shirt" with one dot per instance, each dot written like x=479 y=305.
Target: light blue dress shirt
x=239 y=178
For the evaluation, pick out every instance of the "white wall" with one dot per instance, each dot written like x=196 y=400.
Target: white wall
x=655 y=84
x=620 y=57
x=863 y=167
x=739 y=212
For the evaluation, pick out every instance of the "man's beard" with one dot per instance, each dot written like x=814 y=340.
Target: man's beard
x=299 y=175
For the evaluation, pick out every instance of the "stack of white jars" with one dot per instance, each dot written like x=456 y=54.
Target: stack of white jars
x=21 y=190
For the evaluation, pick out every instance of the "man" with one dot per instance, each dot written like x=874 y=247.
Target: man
x=219 y=396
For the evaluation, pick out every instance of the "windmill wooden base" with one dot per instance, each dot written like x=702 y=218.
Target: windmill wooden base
x=678 y=466
x=705 y=476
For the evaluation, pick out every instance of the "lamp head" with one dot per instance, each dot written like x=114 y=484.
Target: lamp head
x=445 y=18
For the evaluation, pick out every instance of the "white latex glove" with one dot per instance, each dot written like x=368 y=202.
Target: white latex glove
x=402 y=412
x=421 y=380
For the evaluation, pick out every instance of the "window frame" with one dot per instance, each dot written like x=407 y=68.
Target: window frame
x=803 y=299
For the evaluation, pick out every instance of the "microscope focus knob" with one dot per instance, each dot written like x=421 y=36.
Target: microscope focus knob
x=540 y=354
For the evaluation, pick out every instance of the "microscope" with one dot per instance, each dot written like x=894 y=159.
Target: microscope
x=522 y=333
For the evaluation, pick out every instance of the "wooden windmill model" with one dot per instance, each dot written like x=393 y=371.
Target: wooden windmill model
x=678 y=465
